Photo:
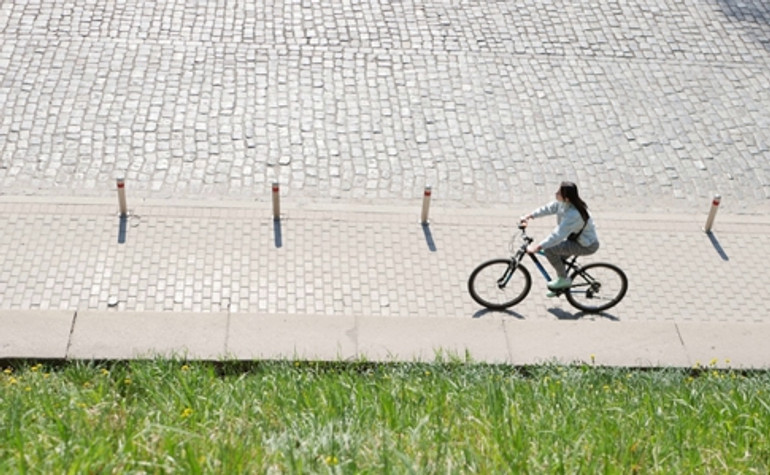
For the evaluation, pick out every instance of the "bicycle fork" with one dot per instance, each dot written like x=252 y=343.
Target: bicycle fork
x=503 y=280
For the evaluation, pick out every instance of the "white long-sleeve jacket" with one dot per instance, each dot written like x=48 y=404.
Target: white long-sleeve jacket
x=569 y=221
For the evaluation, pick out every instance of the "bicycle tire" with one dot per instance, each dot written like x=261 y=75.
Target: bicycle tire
x=597 y=287
x=484 y=289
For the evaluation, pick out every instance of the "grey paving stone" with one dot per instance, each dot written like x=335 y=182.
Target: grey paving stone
x=599 y=343
x=425 y=339
x=307 y=337
x=131 y=335
x=726 y=345
x=35 y=333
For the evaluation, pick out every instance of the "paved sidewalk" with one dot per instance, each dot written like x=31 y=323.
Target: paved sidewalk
x=328 y=281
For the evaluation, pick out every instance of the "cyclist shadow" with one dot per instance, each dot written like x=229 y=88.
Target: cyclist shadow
x=562 y=314
x=509 y=313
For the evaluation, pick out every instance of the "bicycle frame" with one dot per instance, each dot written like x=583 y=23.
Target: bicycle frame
x=570 y=263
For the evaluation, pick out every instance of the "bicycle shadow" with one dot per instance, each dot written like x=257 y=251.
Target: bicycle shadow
x=510 y=313
x=562 y=314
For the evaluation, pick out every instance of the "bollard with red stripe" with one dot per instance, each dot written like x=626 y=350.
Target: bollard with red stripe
x=712 y=213
x=425 y=204
x=276 y=201
x=122 y=197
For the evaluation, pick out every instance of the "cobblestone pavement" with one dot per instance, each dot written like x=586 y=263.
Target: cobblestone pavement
x=366 y=261
x=643 y=103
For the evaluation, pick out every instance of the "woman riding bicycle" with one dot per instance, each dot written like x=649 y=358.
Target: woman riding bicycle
x=574 y=234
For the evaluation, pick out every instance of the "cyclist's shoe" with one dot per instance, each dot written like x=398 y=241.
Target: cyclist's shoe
x=551 y=295
x=560 y=283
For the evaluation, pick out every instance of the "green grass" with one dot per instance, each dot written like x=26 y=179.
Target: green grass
x=171 y=416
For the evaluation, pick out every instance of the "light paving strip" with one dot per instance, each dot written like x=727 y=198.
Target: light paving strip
x=367 y=261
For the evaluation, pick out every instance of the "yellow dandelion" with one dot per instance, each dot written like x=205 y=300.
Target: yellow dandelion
x=13 y=380
x=187 y=412
x=127 y=381
x=185 y=368
x=87 y=384
x=28 y=389
x=105 y=372
x=593 y=358
x=331 y=460
x=8 y=371
x=713 y=362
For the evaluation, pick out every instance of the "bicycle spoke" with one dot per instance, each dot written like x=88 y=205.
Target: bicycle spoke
x=496 y=285
x=597 y=287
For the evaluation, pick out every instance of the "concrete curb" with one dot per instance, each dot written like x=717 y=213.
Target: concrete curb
x=222 y=336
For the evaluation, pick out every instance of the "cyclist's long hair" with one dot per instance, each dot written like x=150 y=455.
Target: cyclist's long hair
x=569 y=191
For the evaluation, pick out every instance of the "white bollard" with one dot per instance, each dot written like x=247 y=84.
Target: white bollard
x=712 y=213
x=276 y=201
x=122 y=197
x=425 y=205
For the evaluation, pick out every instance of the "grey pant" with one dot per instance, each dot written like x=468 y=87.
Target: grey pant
x=567 y=248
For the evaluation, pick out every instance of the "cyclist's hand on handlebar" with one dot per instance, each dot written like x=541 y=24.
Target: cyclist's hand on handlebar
x=524 y=221
x=533 y=248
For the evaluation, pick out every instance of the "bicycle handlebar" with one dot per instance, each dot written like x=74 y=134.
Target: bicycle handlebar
x=524 y=237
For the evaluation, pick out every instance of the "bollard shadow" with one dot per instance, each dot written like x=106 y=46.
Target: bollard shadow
x=122 y=229
x=717 y=246
x=562 y=314
x=277 y=233
x=428 y=237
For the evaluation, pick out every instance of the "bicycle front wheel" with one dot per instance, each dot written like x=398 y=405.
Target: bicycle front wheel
x=498 y=284
x=597 y=287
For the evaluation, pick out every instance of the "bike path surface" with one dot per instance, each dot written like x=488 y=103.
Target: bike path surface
x=217 y=280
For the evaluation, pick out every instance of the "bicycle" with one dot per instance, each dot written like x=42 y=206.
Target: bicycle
x=501 y=283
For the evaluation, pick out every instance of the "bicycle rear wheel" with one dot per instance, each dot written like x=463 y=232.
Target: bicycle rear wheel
x=497 y=284
x=597 y=287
